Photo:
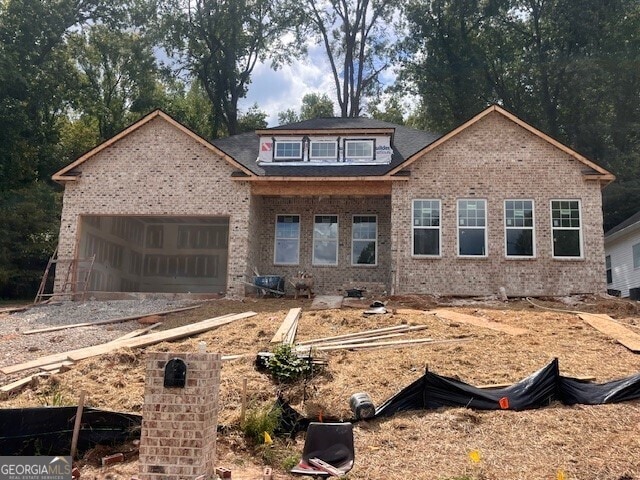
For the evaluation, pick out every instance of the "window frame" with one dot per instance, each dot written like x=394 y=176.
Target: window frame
x=278 y=158
x=532 y=228
x=636 y=265
x=312 y=157
x=375 y=241
x=337 y=241
x=485 y=227
x=371 y=141
x=579 y=229
x=608 y=269
x=276 y=238
x=414 y=228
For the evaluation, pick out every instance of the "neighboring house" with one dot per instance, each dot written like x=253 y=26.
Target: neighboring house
x=622 y=250
x=354 y=202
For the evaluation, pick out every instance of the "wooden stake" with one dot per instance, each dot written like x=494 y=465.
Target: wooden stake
x=76 y=425
x=243 y=405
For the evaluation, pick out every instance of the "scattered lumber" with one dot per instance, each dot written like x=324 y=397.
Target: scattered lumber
x=365 y=339
x=150 y=339
x=13 y=309
x=57 y=366
x=476 y=321
x=138 y=332
x=389 y=344
x=362 y=334
x=23 y=382
x=289 y=327
x=607 y=325
x=105 y=322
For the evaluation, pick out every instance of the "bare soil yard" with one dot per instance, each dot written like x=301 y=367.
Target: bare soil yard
x=579 y=442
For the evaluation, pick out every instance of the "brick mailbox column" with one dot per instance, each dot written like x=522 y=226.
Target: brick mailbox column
x=178 y=440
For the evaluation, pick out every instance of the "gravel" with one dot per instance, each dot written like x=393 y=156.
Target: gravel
x=15 y=347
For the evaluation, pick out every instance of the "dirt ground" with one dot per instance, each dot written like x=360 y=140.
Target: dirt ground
x=557 y=442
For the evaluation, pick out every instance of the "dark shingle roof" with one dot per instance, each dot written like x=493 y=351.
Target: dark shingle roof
x=627 y=223
x=406 y=142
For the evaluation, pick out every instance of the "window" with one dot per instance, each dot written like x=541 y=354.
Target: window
x=364 y=240
x=565 y=223
x=636 y=255
x=607 y=262
x=426 y=227
x=323 y=150
x=518 y=224
x=287 y=241
x=472 y=228
x=325 y=240
x=288 y=150
x=358 y=150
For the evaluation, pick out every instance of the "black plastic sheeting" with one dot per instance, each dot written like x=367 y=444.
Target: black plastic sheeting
x=538 y=390
x=48 y=430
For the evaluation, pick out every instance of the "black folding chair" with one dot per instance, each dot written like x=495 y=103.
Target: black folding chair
x=328 y=450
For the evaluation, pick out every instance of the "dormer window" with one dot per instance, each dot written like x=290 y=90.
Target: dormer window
x=288 y=150
x=323 y=151
x=359 y=149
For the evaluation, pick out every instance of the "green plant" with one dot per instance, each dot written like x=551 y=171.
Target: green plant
x=53 y=397
x=286 y=366
x=258 y=421
x=290 y=461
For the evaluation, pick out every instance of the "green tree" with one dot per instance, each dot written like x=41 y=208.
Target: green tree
x=314 y=105
x=254 y=119
x=357 y=37
x=219 y=42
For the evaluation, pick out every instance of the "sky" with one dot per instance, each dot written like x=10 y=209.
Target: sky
x=277 y=91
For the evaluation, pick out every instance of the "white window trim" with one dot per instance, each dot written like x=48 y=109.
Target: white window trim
x=275 y=238
x=532 y=228
x=486 y=227
x=581 y=256
x=361 y=140
x=313 y=157
x=414 y=228
x=313 y=243
x=375 y=240
x=278 y=157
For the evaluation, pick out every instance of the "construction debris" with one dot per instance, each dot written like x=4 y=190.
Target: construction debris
x=287 y=331
x=477 y=322
x=607 y=325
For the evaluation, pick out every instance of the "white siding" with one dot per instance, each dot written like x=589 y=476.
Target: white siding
x=620 y=249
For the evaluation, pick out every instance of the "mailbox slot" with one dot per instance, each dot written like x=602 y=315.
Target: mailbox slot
x=175 y=373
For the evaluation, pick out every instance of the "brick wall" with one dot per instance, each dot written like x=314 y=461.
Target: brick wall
x=327 y=278
x=495 y=159
x=178 y=440
x=159 y=170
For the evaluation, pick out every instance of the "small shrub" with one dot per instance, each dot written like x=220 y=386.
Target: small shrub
x=289 y=462
x=258 y=421
x=285 y=366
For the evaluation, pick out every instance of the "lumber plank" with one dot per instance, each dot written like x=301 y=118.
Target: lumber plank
x=22 y=382
x=56 y=366
x=477 y=322
x=607 y=325
x=367 y=339
x=150 y=339
x=364 y=333
x=106 y=322
x=392 y=344
x=287 y=331
x=138 y=332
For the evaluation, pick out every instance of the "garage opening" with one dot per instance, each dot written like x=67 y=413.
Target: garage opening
x=156 y=254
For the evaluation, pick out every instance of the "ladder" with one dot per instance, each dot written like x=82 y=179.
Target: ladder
x=76 y=280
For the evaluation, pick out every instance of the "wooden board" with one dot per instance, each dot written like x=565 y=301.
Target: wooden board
x=288 y=328
x=166 y=335
x=477 y=322
x=138 y=332
x=23 y=382
x=607 y=325
x=391 y=344
x=56 y=366
x=105 y=322
x=365 y=333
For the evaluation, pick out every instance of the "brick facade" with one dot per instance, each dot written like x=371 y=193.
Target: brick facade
x=179 y=426
x=495 y=159
x=160 y=170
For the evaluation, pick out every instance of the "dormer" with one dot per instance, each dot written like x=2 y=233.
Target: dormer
x=326 y=141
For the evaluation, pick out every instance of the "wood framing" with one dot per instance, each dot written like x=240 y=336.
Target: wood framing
x=294 y=188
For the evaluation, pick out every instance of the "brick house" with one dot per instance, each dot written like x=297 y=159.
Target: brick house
x=354 y=202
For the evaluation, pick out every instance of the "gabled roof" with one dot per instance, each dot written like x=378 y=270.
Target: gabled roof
x=633 y=220
x=67 y=174
x=406 y=143
x=596 y=171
